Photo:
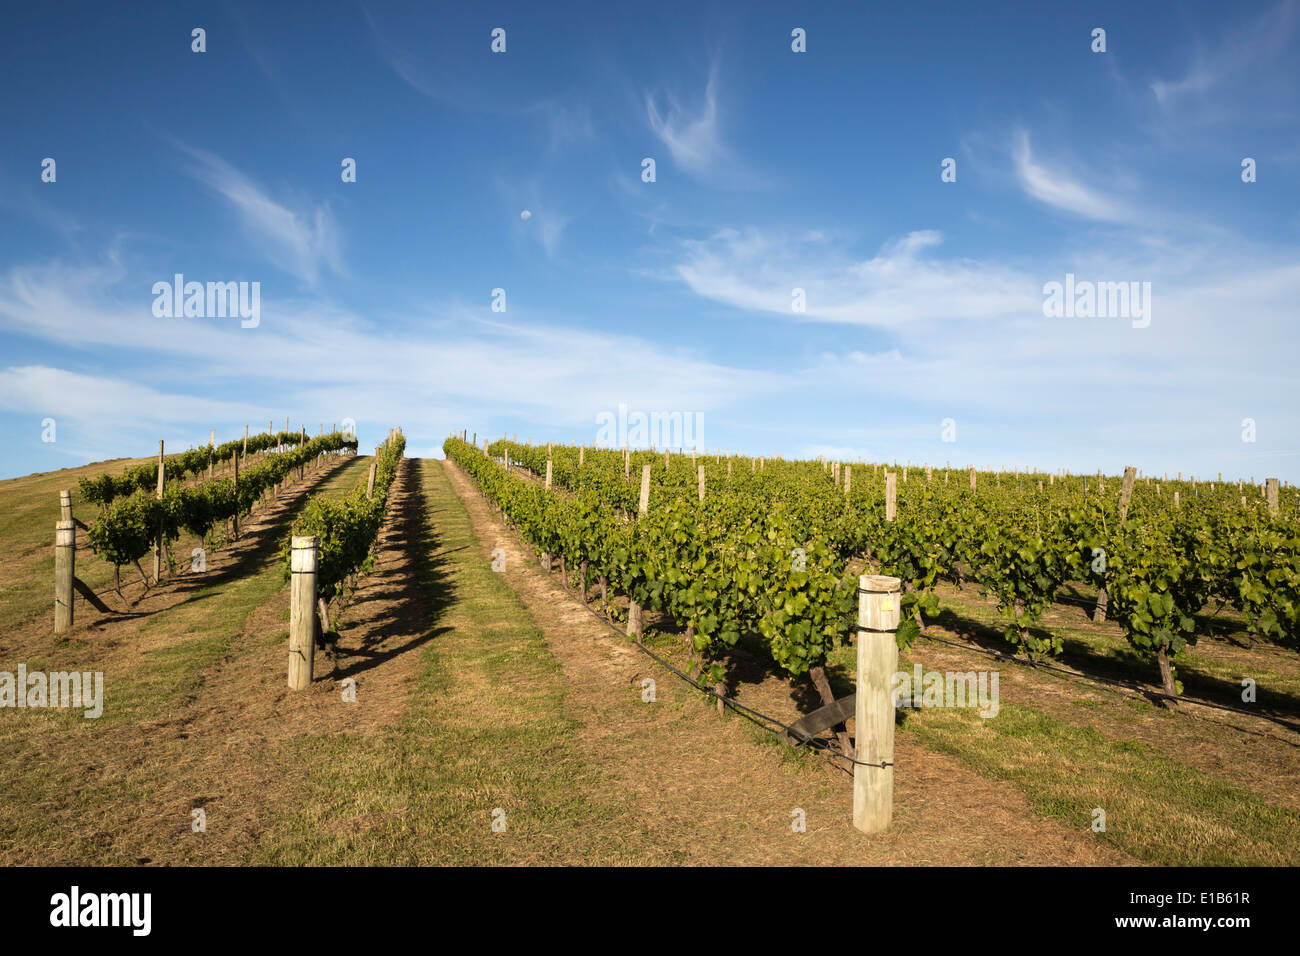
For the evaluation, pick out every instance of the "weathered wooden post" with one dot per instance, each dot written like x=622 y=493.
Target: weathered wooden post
x=644 y=505
x=235 y=518
x=65 y=505
x=848 y=479
x=701 y=483
x=879 y=599
x=1272 y=497
x=972 y=477
x=891 y=496
x=548 y=474
x=65 y=571
x=582 y=451
x=370 y=480
x=158 y=542
x=302 y=610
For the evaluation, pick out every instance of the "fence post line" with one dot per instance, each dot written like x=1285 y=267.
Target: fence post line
x=879 y=598
x=65 y=570
x=302 y=611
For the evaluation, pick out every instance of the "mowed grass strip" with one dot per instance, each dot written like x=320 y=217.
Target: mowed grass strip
x=486 y=731
x=1157 y=809
x=57 y=789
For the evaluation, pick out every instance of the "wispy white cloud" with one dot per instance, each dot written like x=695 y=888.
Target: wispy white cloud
x=693 y=140
x=1053 y=184
x=522 y=366
x=1245 y=73
x=751 y=270
x=301 y=243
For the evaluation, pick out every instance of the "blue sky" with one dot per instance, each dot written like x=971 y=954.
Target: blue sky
x=775 y=170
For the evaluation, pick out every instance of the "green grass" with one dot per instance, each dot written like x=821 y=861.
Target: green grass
x=486 y=728
x=1157 y=809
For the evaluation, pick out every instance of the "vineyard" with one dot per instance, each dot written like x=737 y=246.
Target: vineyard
x=726 y=547
x=714 y=620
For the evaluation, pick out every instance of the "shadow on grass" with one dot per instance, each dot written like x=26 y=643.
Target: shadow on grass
x=1127 y=665
x=412 y=594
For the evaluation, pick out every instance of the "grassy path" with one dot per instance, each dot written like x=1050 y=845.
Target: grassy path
x=485 y=728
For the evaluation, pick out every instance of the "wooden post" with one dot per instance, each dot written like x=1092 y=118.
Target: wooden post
x=891 y=496
x=848 y=479
x=701 y=483
x=65 y=505
x=370 y=481
x=1175 y=499
x=633 y=608
x=879 y=599
x=235 y=518
x=65 y=572
x=158 y=540
x=302 y=610
x=972 y=477
x=581 y=455
x=548 y=474
x=1126 y=491
x=1271 y=495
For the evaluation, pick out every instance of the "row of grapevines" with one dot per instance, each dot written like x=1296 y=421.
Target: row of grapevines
x=347 y=528
x=105 y=488
x=733 y=564
x=126 y=528
x=1020 y=539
